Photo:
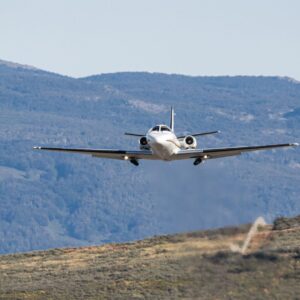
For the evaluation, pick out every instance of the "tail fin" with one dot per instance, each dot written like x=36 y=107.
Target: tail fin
x=172 y=119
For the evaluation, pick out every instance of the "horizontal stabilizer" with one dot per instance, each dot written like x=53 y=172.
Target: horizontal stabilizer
x=134 y=134
x=200 y=134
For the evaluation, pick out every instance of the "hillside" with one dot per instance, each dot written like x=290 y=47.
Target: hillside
x=198 y=265
x=57 y=200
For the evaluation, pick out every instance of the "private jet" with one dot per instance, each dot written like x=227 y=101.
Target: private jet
x=161 y=143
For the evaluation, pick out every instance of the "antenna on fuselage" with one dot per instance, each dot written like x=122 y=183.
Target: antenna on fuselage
x=172 y=119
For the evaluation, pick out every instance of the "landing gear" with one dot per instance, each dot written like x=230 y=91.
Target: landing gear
x=134 y=161
x=197 y=161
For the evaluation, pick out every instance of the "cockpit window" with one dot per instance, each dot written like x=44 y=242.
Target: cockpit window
x=165 y=128
x=156 y=128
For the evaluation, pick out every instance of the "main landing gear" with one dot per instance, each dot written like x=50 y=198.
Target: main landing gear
x=197 y=161
x=134 y=161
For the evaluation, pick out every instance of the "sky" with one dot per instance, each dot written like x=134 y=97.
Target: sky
x=193 y=37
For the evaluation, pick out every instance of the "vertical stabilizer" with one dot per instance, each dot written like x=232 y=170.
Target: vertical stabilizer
x=172 y=119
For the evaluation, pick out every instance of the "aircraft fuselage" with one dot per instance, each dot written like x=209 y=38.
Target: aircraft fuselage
x=164 y=144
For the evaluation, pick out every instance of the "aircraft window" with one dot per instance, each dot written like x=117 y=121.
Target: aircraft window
x=164 y=128
x=156 y=128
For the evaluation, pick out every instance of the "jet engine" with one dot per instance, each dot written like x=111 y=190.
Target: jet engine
x=144 y=143
x=189 y=142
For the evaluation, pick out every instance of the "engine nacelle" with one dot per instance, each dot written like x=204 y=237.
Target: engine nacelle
x=189 y=142
x=144 y=143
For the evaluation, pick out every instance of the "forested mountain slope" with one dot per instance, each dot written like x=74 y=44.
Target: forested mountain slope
x=54 y=200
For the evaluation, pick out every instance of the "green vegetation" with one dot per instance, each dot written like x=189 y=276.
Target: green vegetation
x=51 y=200
x=193 y=265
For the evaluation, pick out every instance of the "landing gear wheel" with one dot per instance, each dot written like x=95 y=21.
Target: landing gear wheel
x=134 y=161
x=197 y=161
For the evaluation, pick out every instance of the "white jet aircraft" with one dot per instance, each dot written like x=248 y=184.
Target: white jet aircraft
x=161 y=143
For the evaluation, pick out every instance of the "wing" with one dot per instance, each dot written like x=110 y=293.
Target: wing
x=224 y=152
x=105 y=153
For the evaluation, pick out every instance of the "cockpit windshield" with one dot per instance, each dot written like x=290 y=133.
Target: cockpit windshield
x=160 y=128
x=165 y=128
x=156 y=128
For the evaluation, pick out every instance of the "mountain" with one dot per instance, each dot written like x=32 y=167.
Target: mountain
x=56 y=200
x=194 y=265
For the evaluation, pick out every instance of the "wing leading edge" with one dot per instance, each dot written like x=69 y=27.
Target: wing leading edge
x=224 y=152
x=105 y=153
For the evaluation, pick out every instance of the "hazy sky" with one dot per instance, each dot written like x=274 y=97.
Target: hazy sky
x=196 y=37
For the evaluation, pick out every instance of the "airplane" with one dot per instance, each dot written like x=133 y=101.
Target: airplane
x=161 y=143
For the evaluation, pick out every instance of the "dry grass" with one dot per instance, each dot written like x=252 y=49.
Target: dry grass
x=193 y=265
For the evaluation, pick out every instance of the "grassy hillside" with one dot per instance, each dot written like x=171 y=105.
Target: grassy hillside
x=198 y=265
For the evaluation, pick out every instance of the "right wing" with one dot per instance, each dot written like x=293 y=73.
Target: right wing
x=224 y=152
x=105 y=153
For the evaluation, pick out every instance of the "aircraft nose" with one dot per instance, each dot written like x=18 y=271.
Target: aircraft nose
x=154 y=139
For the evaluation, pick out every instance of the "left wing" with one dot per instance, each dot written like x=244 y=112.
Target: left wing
x=224 y=152
x=105 y=153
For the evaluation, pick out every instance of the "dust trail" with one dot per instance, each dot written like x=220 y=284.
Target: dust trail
x=253 y=230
